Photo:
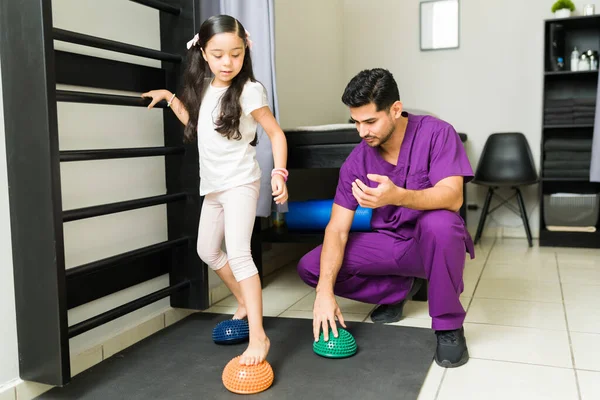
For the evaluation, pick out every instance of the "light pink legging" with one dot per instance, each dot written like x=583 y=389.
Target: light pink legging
x=229 y=213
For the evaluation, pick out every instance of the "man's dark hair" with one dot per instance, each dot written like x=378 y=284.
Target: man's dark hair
x=372 y=86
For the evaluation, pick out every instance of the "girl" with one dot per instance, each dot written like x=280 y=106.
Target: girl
x=222 y=113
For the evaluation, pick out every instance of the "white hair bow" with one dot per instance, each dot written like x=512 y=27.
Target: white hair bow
x=248 y=40
x=193 y=41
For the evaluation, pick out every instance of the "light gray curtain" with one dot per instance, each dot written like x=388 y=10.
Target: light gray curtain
x=595 y=167
x=258 y=17
x=208 y=8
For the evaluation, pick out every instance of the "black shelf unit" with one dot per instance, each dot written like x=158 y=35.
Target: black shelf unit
x=583 y=32
x=570 y=73
x=568 y=126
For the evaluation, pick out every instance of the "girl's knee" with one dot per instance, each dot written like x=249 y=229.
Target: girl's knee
x=215 y=259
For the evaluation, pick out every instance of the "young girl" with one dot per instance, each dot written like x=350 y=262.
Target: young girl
x=222 y=114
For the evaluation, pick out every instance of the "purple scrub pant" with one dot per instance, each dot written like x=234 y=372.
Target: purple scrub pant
x=379 y=268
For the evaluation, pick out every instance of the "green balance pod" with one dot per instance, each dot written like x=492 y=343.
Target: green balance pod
x=341 y=347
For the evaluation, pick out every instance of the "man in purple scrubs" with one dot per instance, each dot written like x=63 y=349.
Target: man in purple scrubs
x=410 y=170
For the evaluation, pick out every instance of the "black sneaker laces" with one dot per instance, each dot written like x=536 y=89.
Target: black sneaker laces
x=447 y=337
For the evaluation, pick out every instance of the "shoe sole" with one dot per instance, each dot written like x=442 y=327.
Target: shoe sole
x=447 y=364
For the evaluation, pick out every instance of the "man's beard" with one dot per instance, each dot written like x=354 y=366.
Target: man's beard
x=385 y=137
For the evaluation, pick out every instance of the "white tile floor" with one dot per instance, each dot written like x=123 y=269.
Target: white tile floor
x=532 y=326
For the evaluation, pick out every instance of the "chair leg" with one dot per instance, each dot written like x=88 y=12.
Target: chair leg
x=524 y=216
x=484 y=213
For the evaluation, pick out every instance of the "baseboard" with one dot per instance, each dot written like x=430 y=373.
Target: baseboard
x=8 y=391
x=500 y=232
x=492 y=232
x=518 y=233
x=25 y=390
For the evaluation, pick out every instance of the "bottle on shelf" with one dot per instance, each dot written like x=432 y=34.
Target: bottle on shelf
x=593 y=57
x=575 y=59
x=584 y=63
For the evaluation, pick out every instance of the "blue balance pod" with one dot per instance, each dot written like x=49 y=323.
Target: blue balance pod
x=314 y=215
x=231 y=331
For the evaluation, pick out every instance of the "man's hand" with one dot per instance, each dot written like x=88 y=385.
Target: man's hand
x=324 y=313
x=386 y=193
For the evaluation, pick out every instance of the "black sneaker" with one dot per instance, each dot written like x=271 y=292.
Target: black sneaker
x=388 y=313
x=451 y=349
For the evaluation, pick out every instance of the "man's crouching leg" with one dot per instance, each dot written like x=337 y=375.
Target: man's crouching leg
x=441 y=237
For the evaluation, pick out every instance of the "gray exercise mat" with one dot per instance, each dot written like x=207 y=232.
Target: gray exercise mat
x=182 y=362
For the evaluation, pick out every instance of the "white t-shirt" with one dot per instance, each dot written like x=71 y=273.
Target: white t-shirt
x=227 y=163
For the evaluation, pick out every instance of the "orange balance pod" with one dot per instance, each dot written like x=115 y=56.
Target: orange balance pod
x=247 y=379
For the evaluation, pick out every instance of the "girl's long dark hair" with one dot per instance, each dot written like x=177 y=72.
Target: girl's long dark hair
x=197 y=70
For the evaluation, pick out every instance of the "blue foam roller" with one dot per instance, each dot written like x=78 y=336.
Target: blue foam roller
x=231 y=331
x=315 y=214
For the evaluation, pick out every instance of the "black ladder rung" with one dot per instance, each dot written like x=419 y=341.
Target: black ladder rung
x=117 y=312
x=69 y=96
x=99 y=265
x=159 y=5
x=112 y=45
x=104 y=209
x=101 y=73
x=106 y=154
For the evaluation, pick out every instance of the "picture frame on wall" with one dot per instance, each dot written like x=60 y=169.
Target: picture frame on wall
x=439 y=24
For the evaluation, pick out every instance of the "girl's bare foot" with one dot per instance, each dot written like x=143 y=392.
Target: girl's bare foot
x=256 y=352
x=241 y=313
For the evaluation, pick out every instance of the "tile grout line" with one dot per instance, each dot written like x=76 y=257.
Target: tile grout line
x=588 y=370
x=296 y=302
x=439 y=388
x=487 y=258
x=586 y=333
x=308 y=294
x=522 y=300
x=524 y=363
x=515 y=326
x=562 y=295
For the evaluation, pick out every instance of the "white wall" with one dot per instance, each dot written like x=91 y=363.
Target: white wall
x=309 y=45
x=492 y=83
x=9 y=362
